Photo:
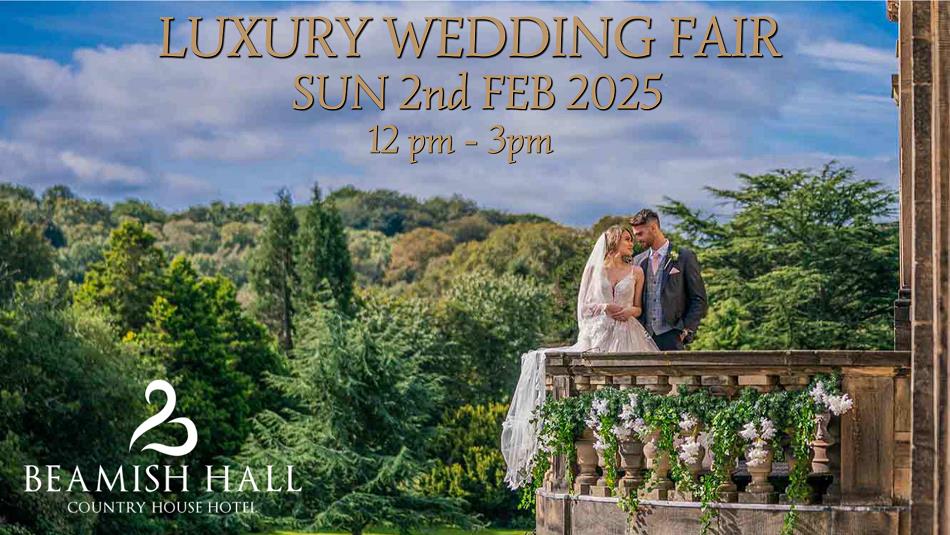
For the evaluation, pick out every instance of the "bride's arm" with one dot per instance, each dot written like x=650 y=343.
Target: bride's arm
x=592 y=309
x=638 y=278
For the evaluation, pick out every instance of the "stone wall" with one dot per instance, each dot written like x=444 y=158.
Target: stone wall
x=923 y=94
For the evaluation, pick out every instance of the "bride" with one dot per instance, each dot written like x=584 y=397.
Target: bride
x=608 y=304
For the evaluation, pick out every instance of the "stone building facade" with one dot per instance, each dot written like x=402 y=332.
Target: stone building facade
x=921 y=89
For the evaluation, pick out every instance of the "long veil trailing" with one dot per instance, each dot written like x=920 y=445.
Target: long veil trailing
x=519 y=436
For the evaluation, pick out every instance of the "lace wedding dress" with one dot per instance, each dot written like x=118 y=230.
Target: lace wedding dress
x=597 y=332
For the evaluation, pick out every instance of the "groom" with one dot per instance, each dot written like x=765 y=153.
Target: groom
x=674 y=295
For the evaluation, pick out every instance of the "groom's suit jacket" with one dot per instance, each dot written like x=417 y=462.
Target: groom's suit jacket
x=682 y=291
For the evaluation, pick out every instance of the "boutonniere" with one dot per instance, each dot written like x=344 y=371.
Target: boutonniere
x=671 y=257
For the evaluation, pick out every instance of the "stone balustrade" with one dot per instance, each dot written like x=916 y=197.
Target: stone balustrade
x=861 y=458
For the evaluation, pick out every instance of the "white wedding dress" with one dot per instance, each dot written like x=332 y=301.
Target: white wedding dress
x=597 y=332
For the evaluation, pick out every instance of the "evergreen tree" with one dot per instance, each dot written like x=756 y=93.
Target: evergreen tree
x=125 y=282
x=273 y=274
x=186 y=336
x=808 y=260
x=323 y=258
x=357 y=438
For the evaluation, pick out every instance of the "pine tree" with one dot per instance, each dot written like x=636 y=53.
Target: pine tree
x=323 y=258
x=357 y=436
x=273 y=274
x=125 y=282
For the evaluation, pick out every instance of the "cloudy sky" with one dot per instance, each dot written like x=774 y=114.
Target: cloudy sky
x=85 y=100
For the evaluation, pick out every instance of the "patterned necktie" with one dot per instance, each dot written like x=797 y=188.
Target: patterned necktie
x=655 y=262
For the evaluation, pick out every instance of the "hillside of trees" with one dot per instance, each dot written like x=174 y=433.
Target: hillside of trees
x=367 y=337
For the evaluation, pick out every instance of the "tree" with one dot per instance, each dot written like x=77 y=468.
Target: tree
x=370 y=252
x=323 y=259
x=475 y=227
x=491 y=321
x=26 y=254
x=273 y=274
x=357 y=437
x=808 y=259
x=545 y=252
x=189 y=337
x=69 y=395
x=125 y=282
x=412 y=252
x=469 y=465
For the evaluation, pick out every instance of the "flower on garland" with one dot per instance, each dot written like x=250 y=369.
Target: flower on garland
x=838 y=404
x=688 y=422
x=688 y=447
x=630 y=422
x=600 y=407
x=758 y=436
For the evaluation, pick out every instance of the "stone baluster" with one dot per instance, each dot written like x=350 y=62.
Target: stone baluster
x=658 y=461
x=794 y=382
x=720 y=385
x=600 y=382
x=693 y=469
x=623 y=381
x=586 y=463
x=658 y=384
x=727 y=490
x=691 y=382
x=832 y=459
x=631 y=462
x=581 y=383
x=601 y=488
x=762 y=383
x=759 y=490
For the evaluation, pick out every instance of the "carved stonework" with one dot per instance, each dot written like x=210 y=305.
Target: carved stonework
x=893 y=10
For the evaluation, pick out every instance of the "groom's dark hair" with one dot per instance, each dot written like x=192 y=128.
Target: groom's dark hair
x=645 y=216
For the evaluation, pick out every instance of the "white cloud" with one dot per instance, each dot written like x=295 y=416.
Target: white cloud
x=850 y=57
x=90 y=169
x=130 y=121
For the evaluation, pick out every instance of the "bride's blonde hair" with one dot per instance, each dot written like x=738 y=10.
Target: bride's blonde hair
x=612 y=238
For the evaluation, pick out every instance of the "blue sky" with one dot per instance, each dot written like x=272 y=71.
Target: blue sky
x=86 y=101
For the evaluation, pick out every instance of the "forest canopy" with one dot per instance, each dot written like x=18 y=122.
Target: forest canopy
x=384 y=328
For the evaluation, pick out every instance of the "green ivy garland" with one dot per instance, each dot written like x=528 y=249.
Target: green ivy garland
x=787 y=415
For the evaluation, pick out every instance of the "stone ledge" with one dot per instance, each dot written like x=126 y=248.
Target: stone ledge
x=561 y=514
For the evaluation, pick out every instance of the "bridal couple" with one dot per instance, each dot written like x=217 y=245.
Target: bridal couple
x=653 y=303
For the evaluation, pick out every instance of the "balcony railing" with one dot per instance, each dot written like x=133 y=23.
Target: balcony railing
x=859 y=458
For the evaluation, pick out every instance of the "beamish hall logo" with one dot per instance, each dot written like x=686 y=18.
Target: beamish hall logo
x=171 y=481
x=162 y=417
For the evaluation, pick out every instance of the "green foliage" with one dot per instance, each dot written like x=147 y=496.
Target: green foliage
x=273 y=273
x=125 y=282
x=145 y=212
x=356 y=436
x=323 y=259
x=26 y=254
x=545 y=252
x=808 y=258
x=469 y=465
x=475 y=227
x=661 y=419
x=69 y=395
x=214 y=356
x=370 y=251
x=492 y=320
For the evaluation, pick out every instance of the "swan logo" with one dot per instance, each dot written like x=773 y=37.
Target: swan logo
x=162 y=417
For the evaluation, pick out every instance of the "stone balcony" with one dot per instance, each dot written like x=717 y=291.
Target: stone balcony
x=860 y=469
